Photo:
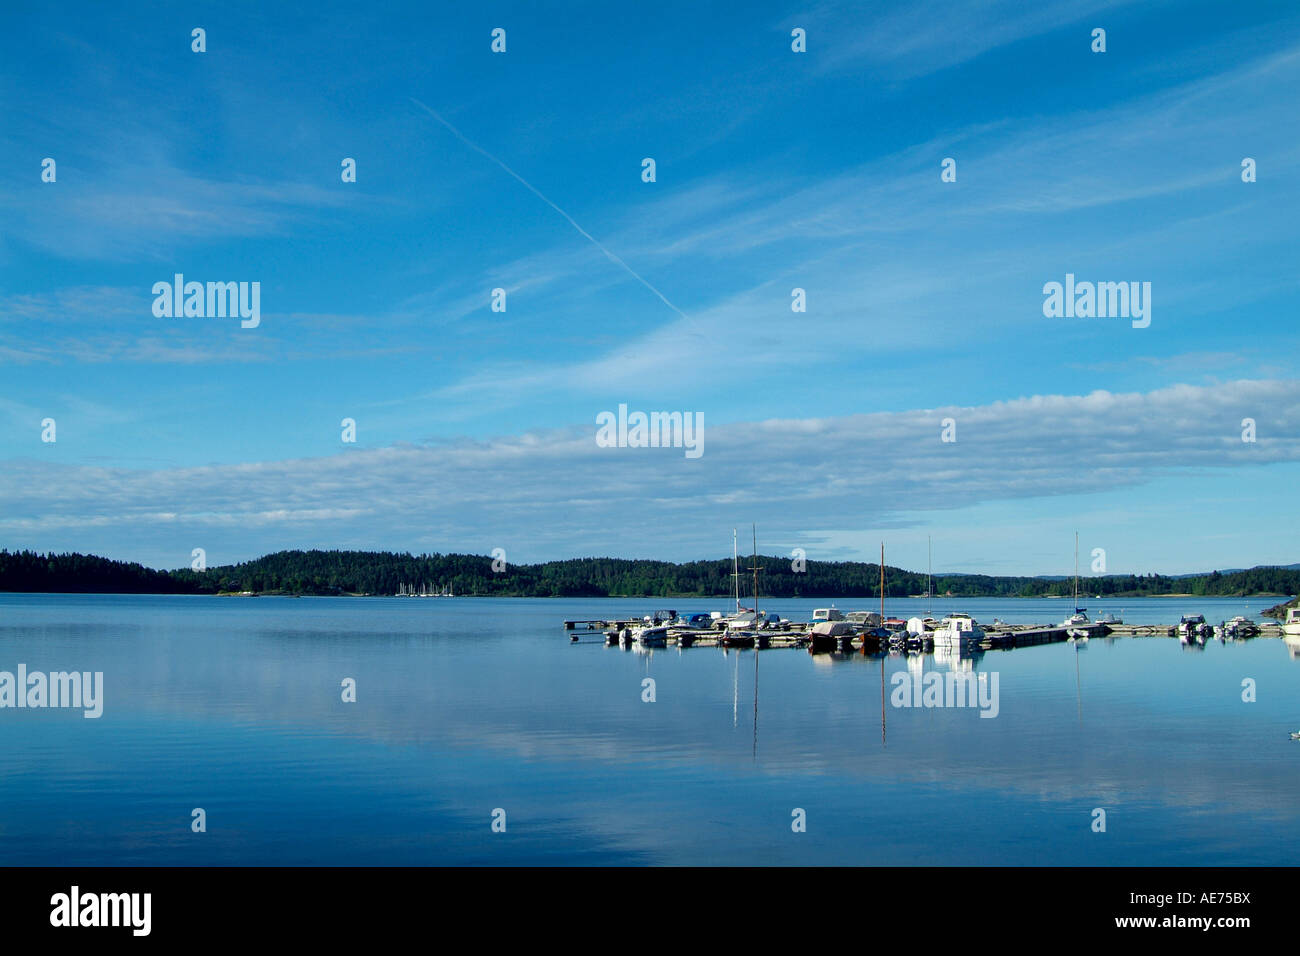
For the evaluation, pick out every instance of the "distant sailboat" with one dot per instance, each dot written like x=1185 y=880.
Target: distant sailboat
x=740 y=618
x=743 y=626
x=1078 y=618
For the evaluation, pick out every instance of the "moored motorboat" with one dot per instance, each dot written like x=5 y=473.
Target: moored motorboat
x=863 y=618
x=958 y=629
x=923 y=626
x=875 y=639
x=827 y=635
x=697 y=622
x=1291 y=625
x=1238 y=627
x=738 y=639
x=655 y=636
x=1192 y=627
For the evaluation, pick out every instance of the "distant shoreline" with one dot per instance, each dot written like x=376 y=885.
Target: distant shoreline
x=675 y=597
x=441 y=576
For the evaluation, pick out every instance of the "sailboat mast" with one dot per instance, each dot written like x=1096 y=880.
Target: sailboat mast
x=1076 y=572
x=755 y=529
x=735 y=568
x=882 y=584
x=929 y=568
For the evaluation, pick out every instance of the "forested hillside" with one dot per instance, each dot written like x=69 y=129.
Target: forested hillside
x=370 y=572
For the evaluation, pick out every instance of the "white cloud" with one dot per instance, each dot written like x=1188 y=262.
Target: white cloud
x=555 y=493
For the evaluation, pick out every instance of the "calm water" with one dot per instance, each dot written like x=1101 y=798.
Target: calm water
x=468 y=705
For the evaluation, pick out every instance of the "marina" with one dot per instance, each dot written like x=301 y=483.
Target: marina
x=831 y=629
x=840 y=634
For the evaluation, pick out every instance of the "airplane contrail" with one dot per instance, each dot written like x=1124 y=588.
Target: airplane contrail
x=589 y=237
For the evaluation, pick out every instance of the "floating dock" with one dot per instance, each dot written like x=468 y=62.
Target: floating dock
x=794 y=635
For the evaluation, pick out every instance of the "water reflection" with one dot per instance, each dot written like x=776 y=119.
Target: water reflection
x=462 y=706
x=957 y=659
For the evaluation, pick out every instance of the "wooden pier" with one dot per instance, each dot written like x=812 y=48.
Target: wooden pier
x=1028 y=636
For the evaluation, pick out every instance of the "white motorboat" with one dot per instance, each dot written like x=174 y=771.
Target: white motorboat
x=921 y=626
x=1193 y=627
x=1238 y=627
x=666 y=616
x=653 y=636
x=697 y=622
x=743 y=621
x=1291 y=625
x=958 y=629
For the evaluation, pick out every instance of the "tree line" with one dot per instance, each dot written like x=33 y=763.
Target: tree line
x=383 y=573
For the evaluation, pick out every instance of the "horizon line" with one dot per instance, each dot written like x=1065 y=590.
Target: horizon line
x=529 y=564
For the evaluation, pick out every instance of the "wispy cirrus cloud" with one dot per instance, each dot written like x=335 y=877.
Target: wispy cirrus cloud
x=918 y=38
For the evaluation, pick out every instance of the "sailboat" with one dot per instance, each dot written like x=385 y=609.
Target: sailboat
x=1078 y=618
x=742 y=617
x=742 y=628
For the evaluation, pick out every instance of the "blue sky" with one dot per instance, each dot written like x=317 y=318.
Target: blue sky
x=775 y=170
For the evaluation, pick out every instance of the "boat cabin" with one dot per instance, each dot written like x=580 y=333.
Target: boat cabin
x=865 y=618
